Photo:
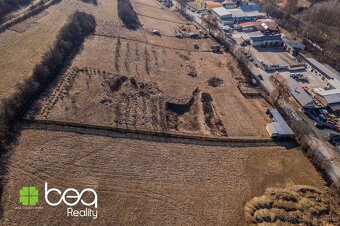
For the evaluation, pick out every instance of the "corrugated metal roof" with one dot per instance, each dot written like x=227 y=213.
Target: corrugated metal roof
x=298 y=93
x=221 y=11
x=322 y=68
x=240 y=13
x=331 y=96
x=286 y=130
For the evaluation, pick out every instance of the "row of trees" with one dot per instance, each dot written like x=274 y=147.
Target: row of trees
x=128 y=15
x=69 y=39
x=7 y=6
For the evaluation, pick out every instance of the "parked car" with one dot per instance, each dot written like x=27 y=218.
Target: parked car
x=260 y=77
x=156 y=32
x=196 y=46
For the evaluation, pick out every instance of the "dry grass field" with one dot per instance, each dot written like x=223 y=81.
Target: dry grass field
x=23 y=45
x=166 y=70
x=134 y=79
x=148 y=183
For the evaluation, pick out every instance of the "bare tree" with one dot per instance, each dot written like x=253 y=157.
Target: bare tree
x=211 y=22
x=278 y=92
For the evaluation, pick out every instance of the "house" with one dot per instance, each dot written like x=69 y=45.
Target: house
x=258 y=39
x=229 y=4
x=292 y=46
x=330 y=99
x=222 y=13
x=269 y=25
x=323 y=71
x=278 y=128
x=209 y=5
x=259 y=25
x=301 y=96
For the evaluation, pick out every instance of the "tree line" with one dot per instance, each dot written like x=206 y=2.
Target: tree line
x=128 y=15
x=68 y=41
x=7 y=6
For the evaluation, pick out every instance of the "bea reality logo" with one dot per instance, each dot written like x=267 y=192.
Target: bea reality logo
x=72 y=197
x=29 y=196
x=67 y=199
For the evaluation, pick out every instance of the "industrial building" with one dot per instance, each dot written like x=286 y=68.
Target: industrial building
x=223 y=15
x=292 y=46
x=301 y=96
x=258 y=39
x=323 y=71
x=329 y=99
x=278 y=128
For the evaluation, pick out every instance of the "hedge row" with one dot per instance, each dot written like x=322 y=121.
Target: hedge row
x=69 y=39
x=34 y=10
x=128 y=15
x=8 y=6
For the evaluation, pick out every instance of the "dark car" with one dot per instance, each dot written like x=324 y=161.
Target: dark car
x=260 y=77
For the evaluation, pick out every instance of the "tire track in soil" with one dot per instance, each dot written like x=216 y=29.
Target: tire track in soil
x=160 y=198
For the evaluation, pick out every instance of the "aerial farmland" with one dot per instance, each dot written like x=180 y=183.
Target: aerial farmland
x=158 y=125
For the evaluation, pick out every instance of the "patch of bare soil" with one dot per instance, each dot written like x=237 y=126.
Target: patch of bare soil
x=297 y=205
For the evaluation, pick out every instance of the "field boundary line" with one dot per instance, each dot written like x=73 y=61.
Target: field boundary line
x=161 y=136
x=146 y=42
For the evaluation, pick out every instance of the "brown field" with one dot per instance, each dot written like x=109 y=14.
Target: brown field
x=23 y=45
x=160 y=66
x=134 y=79
x=148 y=183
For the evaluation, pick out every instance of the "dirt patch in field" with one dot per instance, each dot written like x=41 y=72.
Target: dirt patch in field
x=150 y=183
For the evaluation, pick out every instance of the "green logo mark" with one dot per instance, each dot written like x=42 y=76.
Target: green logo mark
x=29 y=196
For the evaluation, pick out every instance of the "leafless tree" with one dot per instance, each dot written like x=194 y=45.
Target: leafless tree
x=211 y=22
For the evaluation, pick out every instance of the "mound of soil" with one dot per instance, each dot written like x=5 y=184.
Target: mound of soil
x=215 y=82
x=300 y=205
x=213 y=122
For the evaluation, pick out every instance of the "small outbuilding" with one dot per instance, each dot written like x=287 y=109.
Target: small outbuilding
x=278 y=128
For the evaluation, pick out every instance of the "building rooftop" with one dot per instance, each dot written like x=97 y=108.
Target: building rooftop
x=262 y=37
x=221 y=11
x=331 y=96
x=279 y=123
x=322 y=68
x=236 y=13
x=298 y=93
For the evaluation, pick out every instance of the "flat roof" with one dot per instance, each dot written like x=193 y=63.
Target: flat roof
x=279 y=123
x=221 y=11
x=240 y=13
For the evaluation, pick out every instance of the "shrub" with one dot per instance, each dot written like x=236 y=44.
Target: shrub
x=128 y=15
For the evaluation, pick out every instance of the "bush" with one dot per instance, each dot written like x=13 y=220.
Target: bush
x=128 y=15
